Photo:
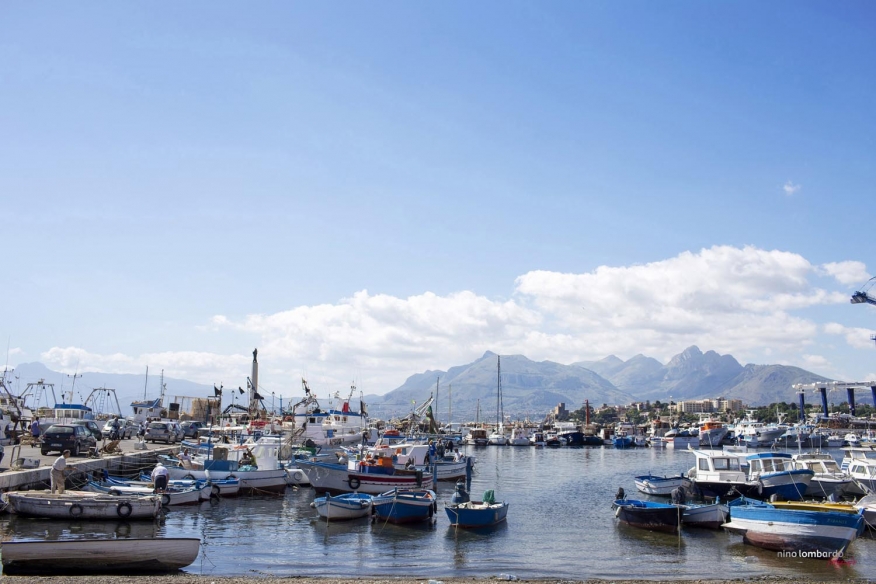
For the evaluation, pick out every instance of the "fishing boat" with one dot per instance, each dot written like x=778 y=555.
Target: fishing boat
x=712 y=432
x=405 y=506
x=446 y=468
x=710 y=516
x=477 y=437
x=774 y=473
x=519 y=436
x=716 y=473
x=98 y=556
x=83 y=505
x=236 y=462
x=374 y=475
x=332 y=426
x=810 y=534
x=861 y=468
x=190 y=495
x=829 y=481
x=648 y=515
x=342 y=507
x=463 y=512
x=660 y=486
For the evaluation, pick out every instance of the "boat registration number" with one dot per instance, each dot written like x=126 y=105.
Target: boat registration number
x=58 y=445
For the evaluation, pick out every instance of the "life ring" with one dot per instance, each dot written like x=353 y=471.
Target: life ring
x=354 y=483
x=165 y=499
x=76 y=510
x=124 y=509
x=189 y=477
x=215 y=490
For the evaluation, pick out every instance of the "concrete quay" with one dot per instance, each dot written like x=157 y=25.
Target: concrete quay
x=125 y=462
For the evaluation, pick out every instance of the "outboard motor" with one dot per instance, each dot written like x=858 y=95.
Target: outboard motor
x=460 y=495
x=678 y=496
x=620 y=495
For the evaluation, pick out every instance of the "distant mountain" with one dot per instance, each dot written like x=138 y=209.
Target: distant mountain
x=766 y=384
x=529 y=389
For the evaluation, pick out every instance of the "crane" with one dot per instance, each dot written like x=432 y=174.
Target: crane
x=862 y=296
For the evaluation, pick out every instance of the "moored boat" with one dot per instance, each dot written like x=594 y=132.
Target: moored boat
x=463 y=512
x=660 y=486
x=648 y=515
x=405 y=506
x=83 y=505
x=811 y=534
x=95 y=556
x=341 y=507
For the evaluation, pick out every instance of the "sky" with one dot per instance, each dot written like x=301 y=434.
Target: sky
x=369 y=191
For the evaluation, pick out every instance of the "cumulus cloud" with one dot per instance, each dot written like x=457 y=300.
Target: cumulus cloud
x=790 y=188
x=743 y=301
x=855 y=337
x=850 y=272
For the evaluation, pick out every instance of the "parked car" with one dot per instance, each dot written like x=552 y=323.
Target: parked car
x=178 y=431
x=60 y=437
x=92 y=427
x=190 y=428
x=127 y=429
x=161 y=432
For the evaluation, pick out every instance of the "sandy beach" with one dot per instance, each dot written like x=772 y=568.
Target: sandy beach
x=190 y=579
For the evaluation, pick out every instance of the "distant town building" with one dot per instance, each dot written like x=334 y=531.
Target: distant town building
x=705 y=406
x=560 y=413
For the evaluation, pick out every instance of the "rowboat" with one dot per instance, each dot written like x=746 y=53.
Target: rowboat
x=83 y=505
x=648 y=515
x=92 y=556
x=346 y=506
x=407 y=506
x=662 y=486
x=812 y=534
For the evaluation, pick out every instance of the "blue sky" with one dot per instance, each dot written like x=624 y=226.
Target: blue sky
x=368 y=191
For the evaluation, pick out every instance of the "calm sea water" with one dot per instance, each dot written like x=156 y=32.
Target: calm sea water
x=560 y=524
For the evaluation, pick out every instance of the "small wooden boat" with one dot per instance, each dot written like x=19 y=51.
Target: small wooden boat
x=648 y=515
x=94 y=556
x=661 y=486
x=346 y=506
x=711 y=516
x=463 y=512
x=406 y=506
x=811 y=534
x=83 y=505
x=190 y=495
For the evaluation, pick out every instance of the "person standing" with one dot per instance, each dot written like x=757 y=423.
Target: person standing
x=159 y=478
x=35 y=429
x=59 y=473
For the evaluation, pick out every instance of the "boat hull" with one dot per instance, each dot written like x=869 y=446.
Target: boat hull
x=647 y=515
x=819 y=534
x=708 y=516
x=84 y=505
x=132 y=556
x=343 y=507
x=660 y=486
x=476 y=514
x=405 y=506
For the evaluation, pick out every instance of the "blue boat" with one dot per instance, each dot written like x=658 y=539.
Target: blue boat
x=807 y=534
x=774 y=473
x=346 y=506
x=648 y=514
x=463 y=512
x=405 y=506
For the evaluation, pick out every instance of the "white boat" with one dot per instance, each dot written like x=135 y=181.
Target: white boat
x=447 y=468
x=185 y=496
x=711 y=516
x=90 y=556
x=716 y=473
x=519 y=437
x=345 y=506
x=83 y=505
x=712 y=431
x=829 y=480
x=757 y=434
x=331 y=426
x=226 y=461
x=861 y=468
x=660 y=486
x=364 y=477
x=477 y=437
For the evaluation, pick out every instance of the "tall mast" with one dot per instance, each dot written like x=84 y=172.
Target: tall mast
x=498 y=388
x=450 y=403
x=146 y=383
x=437 y=384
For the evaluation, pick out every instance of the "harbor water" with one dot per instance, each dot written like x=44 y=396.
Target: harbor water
x=560 y=525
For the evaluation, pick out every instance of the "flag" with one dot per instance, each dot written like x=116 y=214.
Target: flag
x=240 y=389
x=216 y=391
x=257 y=396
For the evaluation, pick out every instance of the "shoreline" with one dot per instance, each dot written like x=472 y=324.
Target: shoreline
x=198 y=579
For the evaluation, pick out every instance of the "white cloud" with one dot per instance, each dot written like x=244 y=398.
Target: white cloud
x=850 y=272
x=790 y=188
x=741 y=301
x=857 y=338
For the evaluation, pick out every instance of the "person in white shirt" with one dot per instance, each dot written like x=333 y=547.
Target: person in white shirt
x=159 y=478
x=59 y=473
x=184 y=459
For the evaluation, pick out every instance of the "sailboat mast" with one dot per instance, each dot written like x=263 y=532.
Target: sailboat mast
x=437 y=383
x=146 y=383
x=450 y=403
x=498 y=388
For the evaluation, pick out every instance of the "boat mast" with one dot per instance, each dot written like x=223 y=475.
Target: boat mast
x=498 y=391
x=437 y=384
x=146 y=383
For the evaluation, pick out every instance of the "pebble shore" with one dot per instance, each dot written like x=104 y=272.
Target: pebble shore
x=192 y=579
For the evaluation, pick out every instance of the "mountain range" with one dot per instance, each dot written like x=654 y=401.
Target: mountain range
x=468 y=392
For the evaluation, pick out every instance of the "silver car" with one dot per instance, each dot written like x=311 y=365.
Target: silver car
x=161 y=432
